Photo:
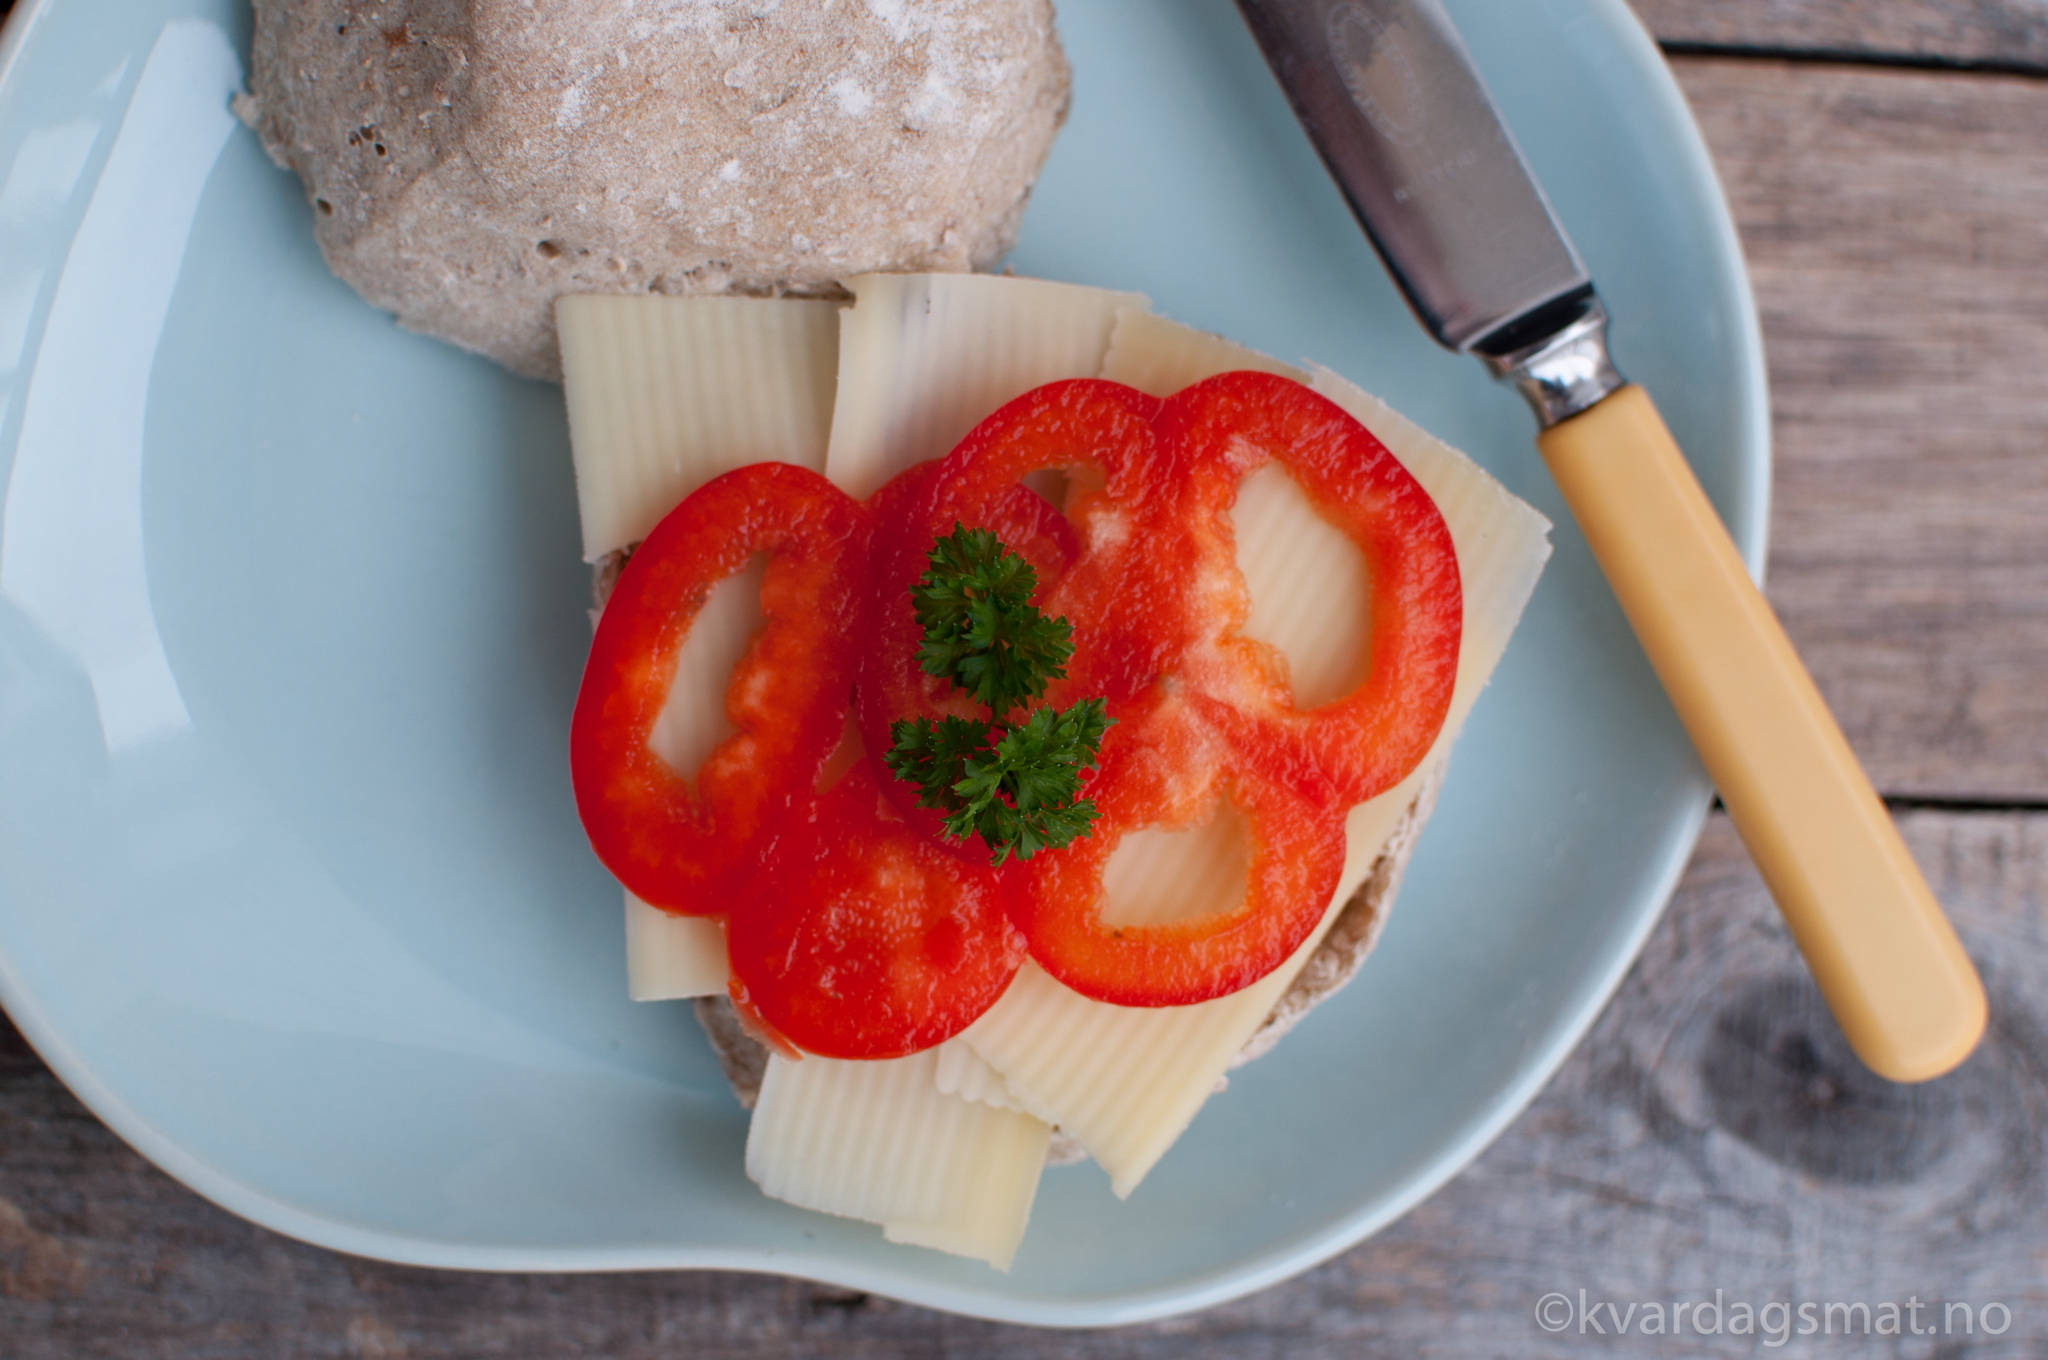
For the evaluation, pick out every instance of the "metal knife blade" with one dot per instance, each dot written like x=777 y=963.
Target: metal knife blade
x=1393 y=105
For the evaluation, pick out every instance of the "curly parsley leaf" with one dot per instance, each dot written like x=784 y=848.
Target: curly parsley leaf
x=932 y=755
x=981 y=630
x=1016 y=787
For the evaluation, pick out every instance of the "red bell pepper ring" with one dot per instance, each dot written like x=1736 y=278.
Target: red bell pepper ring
x=864 y=938
x=1368 y=740
x=1157 y=606
x=1297 y=856
x=693 y=850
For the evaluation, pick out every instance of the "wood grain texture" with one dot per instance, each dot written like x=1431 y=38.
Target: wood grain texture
x=1713 y=1132
x=2011 y=34
x=1896 y=225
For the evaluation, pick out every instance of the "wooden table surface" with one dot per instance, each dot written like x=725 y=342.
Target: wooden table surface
x=1887 y=161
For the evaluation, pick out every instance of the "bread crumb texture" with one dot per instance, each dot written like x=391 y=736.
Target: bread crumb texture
x=470 y=160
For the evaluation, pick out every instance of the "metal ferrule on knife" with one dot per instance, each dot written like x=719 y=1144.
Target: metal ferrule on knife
x=1393 y=106
x=1563 y=371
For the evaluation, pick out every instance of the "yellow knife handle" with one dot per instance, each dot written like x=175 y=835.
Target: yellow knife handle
x=1885 y=957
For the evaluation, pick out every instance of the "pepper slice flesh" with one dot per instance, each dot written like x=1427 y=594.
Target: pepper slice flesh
x=688 y=844
x=864 y=938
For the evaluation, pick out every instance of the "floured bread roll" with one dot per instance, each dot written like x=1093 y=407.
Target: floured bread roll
x=468 y=160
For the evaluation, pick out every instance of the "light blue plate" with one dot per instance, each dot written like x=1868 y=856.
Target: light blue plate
x=292 y=892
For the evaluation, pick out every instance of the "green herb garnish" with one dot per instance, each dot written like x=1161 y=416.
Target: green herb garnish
x=1014 y=785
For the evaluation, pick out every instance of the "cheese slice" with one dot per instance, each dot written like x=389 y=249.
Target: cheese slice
x=1159 y=357
x=666 y=393
x=1157 y=875
x=1124 y=1082
x=879 y=1141
x=669 y=957
x=952 y=1163
x=924 y=358
x=962 y=1072
x=1311 y=596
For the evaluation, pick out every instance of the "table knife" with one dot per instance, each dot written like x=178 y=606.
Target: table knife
x=1398 y=113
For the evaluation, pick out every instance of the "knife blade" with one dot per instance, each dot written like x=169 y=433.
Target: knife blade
x=1398 y=112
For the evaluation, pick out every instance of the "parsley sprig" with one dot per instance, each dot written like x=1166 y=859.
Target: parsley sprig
x=1017 y=786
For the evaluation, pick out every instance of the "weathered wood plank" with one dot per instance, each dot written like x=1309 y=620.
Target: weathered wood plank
x=2011 y=34
x=1712 y=1133
x=1896 y=225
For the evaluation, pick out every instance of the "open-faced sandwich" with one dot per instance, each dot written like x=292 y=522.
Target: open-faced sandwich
x=1282 y=597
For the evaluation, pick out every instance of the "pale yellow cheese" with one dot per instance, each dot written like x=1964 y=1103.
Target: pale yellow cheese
x=1157 y=874
x=962 y=1072
x=1311 y=596
x=943 y=1148
x=923 y=358
x=1159 y=357
x=879 y=1141
x=666 y=393
x=669 y=957
x=1125 y=1082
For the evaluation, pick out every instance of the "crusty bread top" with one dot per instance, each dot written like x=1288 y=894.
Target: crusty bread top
x=470 y=160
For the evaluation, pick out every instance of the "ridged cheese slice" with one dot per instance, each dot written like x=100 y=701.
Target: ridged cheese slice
x=1125 y=1082
x=1156 y=875
x=940 y=1147
x=923 y=358
x=1311 y=595
x=879 y=1141
x=1159 y=357
x=666 y=393
x=962 y=1072
x=669 y=957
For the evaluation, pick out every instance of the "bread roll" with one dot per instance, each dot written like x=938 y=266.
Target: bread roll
x=469 y=160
